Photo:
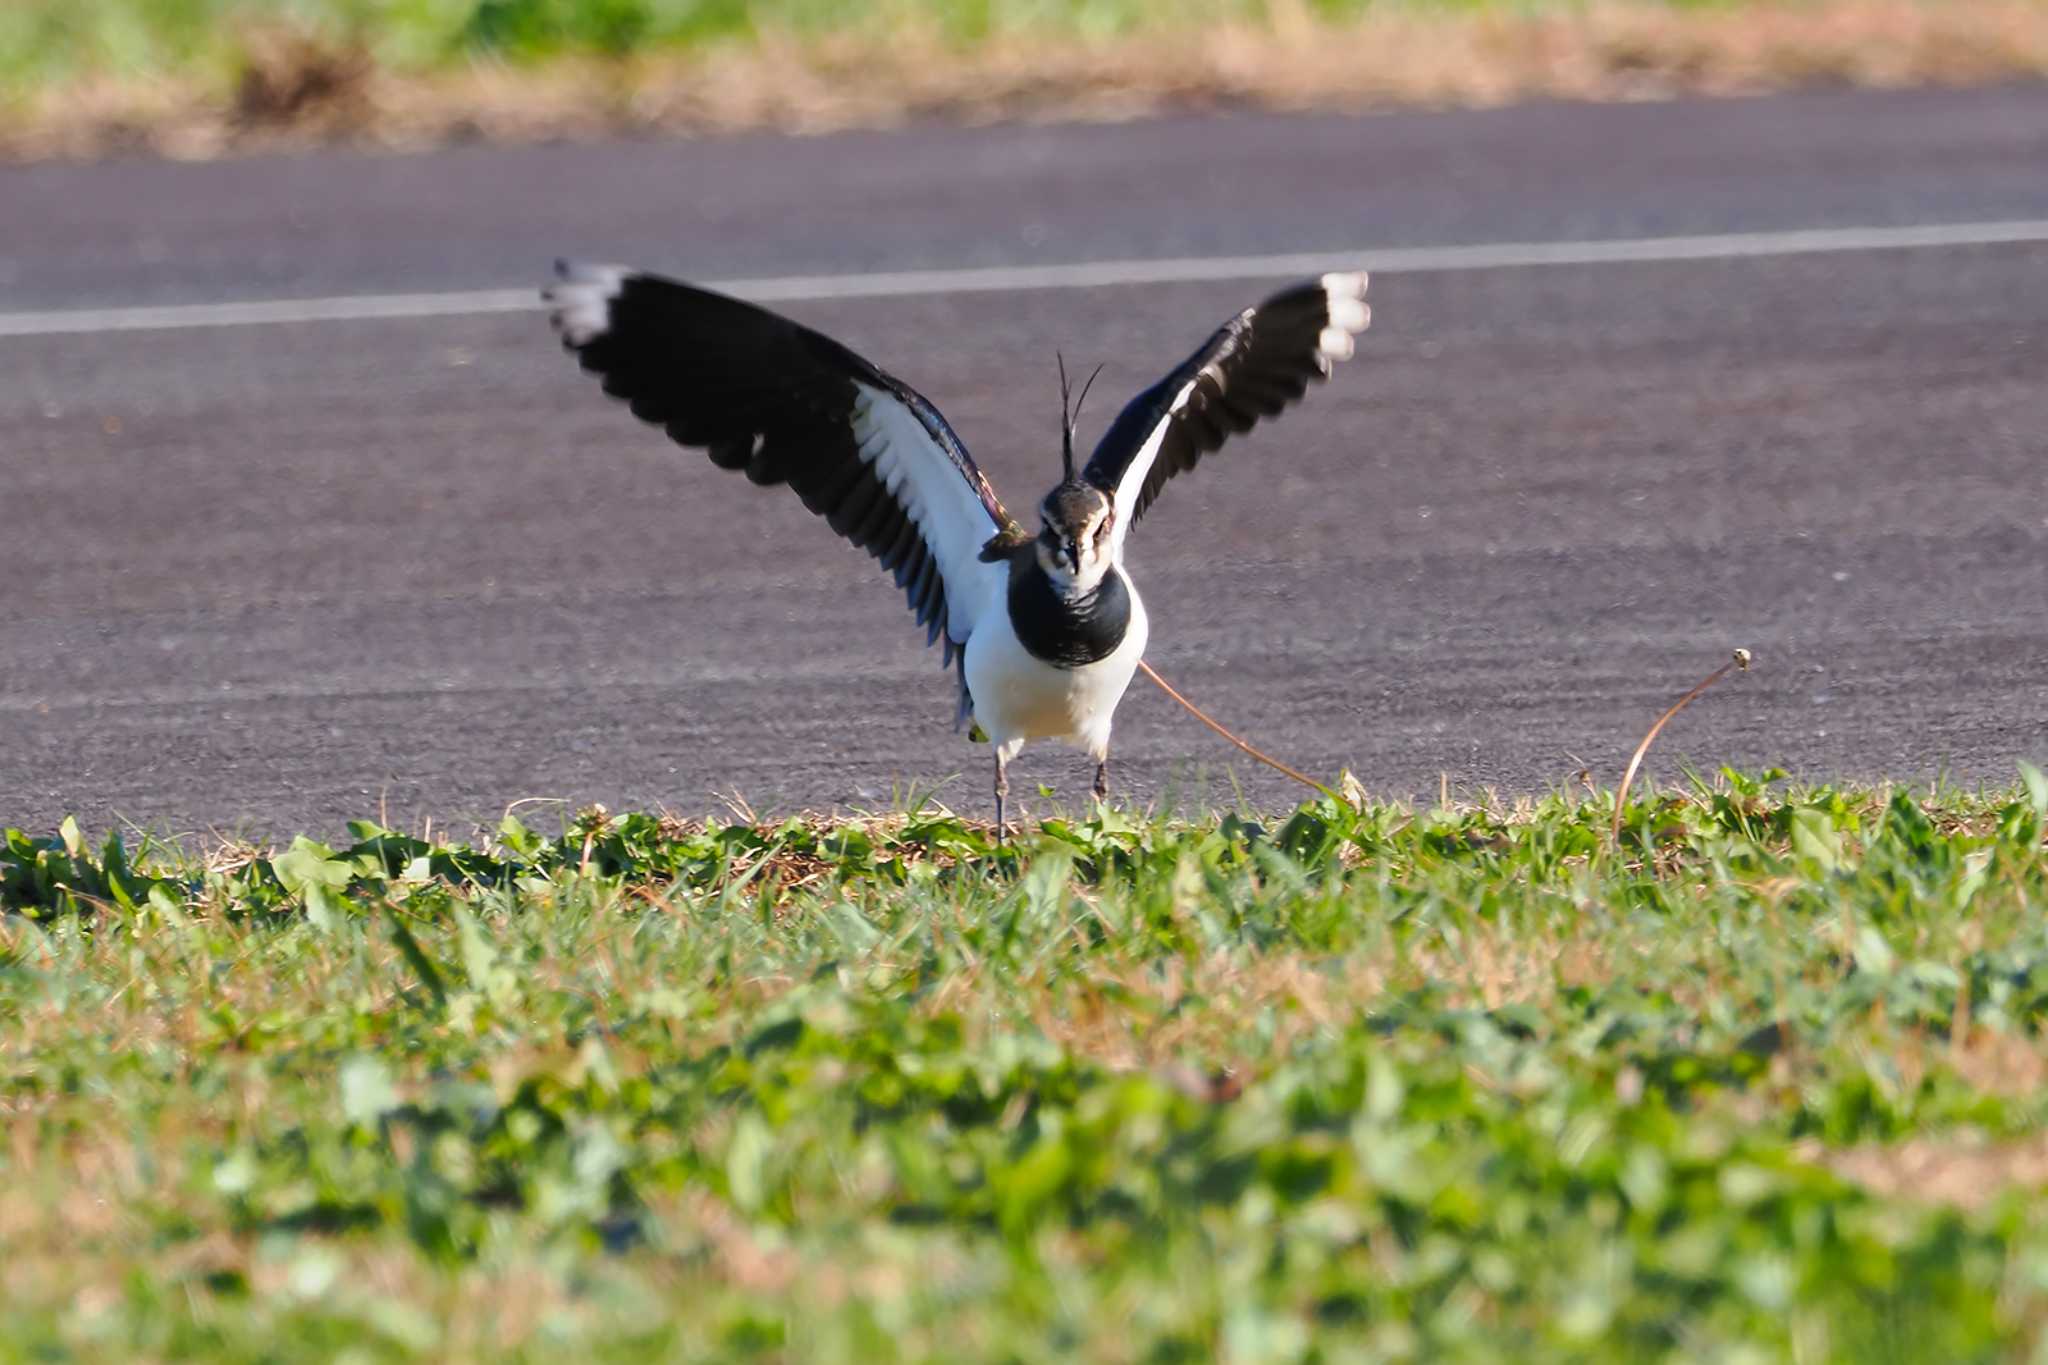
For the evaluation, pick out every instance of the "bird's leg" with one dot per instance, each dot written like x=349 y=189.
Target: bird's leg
x=1098 y=749
x=1005 y=751
x=1002 y=792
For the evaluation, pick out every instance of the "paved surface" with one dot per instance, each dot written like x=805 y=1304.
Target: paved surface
x=271 y=578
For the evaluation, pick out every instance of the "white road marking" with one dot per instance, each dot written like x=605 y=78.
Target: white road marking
x=1086 y=275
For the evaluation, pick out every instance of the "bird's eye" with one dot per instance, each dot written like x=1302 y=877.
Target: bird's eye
x=1102 y=530
x=1050 y=537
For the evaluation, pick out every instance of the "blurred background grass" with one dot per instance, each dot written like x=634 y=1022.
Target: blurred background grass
x=42 y=40
x=199 y=75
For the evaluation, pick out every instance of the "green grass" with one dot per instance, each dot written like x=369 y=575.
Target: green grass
x=1455 y=1084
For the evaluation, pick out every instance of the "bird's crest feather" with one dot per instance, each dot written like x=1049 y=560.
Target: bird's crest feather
x=1070 y=415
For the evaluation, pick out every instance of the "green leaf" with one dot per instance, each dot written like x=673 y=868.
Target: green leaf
x=367 y=1093
x=521 y=840
x=324 y=910
x=416 y=956
x=310 y=863
x=852 y=927
x=122 y=882
x=166 y=905
x=478 y=957
x=480 y=965
x=746 y=1160
x=1033 y=1181
x=1046 y=881
x=1814 y=837
x=235 y=1173
x=1873 y=954
x=2037 y=787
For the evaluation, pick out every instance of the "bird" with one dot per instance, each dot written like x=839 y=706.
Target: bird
x=1045 y=629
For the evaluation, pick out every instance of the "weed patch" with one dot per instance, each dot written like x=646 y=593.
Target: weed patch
x=1456 y=1083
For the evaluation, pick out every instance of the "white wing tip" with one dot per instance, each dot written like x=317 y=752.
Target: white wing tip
x=1348 y=283
x=580 y=299
x=1344 y=295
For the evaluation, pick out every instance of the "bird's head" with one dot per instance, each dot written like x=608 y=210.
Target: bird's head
x=1074 y=536
x=1074 y=544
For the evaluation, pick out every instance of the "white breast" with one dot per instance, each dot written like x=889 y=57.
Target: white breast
x=1019 y=696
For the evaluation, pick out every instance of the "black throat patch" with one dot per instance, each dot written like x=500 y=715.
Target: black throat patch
x=1067 y=632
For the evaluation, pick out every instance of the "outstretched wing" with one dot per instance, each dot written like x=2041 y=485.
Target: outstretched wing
x=1254 y=366
x=785 y=404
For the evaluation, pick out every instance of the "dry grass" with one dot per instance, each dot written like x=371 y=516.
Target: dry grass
x=1964 y=1172
x=1965 y=1169
x=295 y=90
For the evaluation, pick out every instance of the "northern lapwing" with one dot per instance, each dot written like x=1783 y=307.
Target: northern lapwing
x=1046 y=629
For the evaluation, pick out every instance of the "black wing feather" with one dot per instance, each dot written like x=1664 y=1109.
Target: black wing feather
x=766 y=396
x=1252 y=368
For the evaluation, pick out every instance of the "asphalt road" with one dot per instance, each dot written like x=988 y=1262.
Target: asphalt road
x=270 y=578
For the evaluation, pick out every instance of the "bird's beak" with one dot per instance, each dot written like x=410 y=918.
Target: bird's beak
x=1074 y=555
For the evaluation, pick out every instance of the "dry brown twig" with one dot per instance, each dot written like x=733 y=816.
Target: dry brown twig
x=1164 y=686
x=1740 y=661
